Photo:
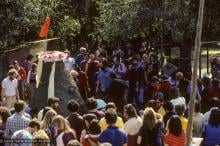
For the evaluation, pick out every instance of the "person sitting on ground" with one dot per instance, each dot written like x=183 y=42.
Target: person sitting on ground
x=75 y=120
x=91 y=105
x=176 y=135
x=212 y=129
x=214 y=104
x=108 y=135
x=25 y=136
x=52 y=103
x=18 y=120
x=132 y=125
x=94 y=130
x=119 y=123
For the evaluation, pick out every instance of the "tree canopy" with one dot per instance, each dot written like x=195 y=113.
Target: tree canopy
x=112 y=21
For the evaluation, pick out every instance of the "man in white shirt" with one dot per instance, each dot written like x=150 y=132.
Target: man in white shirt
x=68 y=61
x=9 y=93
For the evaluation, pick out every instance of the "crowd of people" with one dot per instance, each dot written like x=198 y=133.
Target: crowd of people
x=131 y=100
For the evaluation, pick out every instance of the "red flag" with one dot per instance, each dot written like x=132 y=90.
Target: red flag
x=45 y=28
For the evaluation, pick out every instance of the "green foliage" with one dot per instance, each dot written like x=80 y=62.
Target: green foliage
x=68 y=29
x=116 y=19
x=76 y=21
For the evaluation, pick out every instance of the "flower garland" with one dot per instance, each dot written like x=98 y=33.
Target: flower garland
x=51 y=56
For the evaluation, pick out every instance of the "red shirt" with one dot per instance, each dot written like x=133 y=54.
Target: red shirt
x=83 y=79
x=89 y=141
x=173 y=140
x=22 y=73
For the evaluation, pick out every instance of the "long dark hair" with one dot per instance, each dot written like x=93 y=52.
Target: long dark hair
x=214 y=119
x=130 y=110
x=175 y=126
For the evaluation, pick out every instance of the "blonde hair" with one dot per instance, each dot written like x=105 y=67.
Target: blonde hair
x=48 y=119
x=150 y=118
x=40 y=138
x=12 y=71
x=74 y=73
x=62 y=123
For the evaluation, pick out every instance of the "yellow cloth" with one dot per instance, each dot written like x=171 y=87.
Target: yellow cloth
x=184 y=122
x=104 y=125
x=161 y=111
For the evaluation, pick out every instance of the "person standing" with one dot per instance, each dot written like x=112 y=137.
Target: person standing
x=151 y=131
x=119 y=68
x=18 y=120
x=28 y=63
x=91 y=68
x=31 y=83
x=212 y=129
x=81 y=80
x=81 y=56
x=104 y=78
x=52 y=103
x=116 y=92
x=22 y=76
x=10 y=91
x=113 y=134
x=68 y=61
x=75 y=120
x=132 y=125
x=176 y=135
x=24 y=137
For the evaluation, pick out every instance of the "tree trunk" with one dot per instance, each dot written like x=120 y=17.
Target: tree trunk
x=194 y=77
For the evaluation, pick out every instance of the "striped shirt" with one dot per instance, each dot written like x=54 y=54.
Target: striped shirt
x=173 y=140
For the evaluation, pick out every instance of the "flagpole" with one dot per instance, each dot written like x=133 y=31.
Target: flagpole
x=194 y=75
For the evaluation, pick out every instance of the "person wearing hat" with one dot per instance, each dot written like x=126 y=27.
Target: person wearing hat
x=68 y=61
x=9 y=92
x=52 y=103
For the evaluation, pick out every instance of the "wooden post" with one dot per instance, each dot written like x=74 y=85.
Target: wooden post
x=194 y=76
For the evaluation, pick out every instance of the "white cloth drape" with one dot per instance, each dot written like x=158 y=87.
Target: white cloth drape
x=51 y=81
x=39 y=71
